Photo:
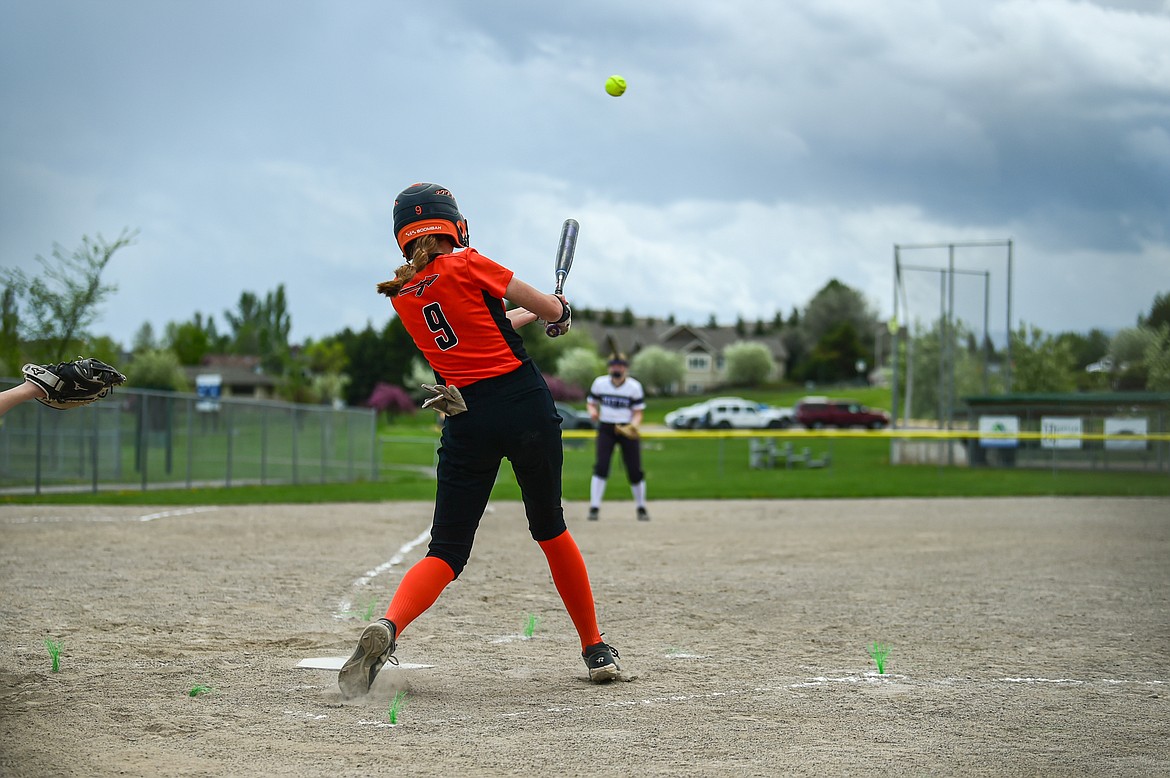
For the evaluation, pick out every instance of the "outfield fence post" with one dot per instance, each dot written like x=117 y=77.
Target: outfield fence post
x=93 y=448
x=37 y=476
x=295 y=437
x=143 y=440
x=264 y=444
x=229 y=419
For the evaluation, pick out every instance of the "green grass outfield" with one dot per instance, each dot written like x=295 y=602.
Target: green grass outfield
x=679 y=466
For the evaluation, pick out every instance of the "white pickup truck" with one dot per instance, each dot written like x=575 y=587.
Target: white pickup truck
x=729 y=413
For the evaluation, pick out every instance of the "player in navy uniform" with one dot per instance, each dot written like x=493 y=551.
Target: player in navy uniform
x=616 y=402
x=450 y=299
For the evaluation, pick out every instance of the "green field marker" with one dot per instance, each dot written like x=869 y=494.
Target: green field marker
x=199 y=689
x=530 y=627
x=396 y=706
x=878 y=653
x=54 y=648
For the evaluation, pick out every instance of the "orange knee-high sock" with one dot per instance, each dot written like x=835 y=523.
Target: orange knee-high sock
x=572 y=582
x=420 y=587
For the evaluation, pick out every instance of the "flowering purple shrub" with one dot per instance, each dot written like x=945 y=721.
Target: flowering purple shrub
x=391 y=399
x=563 y=391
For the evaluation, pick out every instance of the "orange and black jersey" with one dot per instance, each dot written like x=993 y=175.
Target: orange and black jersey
x=454 y=310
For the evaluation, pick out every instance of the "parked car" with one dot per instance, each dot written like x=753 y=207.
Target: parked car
x=818 y=412
x=688 y=417
x=573 y=419
x=728 y=413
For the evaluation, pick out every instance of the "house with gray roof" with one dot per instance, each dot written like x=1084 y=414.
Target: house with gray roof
x=702 y=348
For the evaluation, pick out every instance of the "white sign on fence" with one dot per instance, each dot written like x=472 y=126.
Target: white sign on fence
x=1053 y=426
x=998 y=431
x=1136 y=425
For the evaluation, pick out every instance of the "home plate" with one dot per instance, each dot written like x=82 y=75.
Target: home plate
x=335 y=663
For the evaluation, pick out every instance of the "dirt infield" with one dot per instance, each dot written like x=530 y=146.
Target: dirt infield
x=1027 y=637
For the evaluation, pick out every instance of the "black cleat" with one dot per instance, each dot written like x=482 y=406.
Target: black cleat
x=601 y=659
x=375 y=649
x=643 y=515
x=594 y=514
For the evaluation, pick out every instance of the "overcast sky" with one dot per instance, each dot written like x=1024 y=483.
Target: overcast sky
x=762 y=149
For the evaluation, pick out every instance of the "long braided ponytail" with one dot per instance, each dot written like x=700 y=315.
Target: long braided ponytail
x=422 y=251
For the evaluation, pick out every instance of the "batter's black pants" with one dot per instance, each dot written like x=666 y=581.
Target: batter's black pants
x=510 y=416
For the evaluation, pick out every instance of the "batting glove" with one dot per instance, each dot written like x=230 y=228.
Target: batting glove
x=447 y=399
x=554 y=329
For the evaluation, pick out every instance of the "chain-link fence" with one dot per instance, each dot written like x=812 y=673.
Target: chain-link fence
x=140 y=439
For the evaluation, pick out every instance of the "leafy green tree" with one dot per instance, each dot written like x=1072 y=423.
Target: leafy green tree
x=190 y=341
x=1129 y=345
x=835 y=355
x=546 y=351
x=106 y=349
x=833 y=305
x=261 y=328
x=10 y=361
x=579 y=365
x=326 y=356
x=748 y=363
x=420 y=373
x=1128 y=351
x=376 y=357
x=330 y=387
x=1086 y=348
x=927 y=392
x=61 y=303
x=796 y=346
x=1041 y=363
x=157 y=369
x=660 y=370
x=363 y=351
x=144 y=339
x=1159 y=312
x=1157 y=359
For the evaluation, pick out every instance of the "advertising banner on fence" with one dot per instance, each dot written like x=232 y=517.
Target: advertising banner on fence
x=208 y=386
x=998 y=431
x=1054 y=429
x=1136 y=425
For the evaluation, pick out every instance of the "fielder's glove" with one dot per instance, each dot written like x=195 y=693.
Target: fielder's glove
x=559 y=327
x=627 y=430
x=73 y=384
x=447 y=399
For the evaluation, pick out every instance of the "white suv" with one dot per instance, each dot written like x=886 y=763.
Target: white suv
x=728 y=413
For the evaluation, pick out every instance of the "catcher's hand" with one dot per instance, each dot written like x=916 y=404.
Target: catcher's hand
x=73 y=384
x=447 y=399
x=627 y=430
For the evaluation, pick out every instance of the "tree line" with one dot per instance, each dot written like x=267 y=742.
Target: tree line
x=836 y=338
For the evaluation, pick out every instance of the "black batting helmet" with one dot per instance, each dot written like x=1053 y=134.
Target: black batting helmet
x=427 y=209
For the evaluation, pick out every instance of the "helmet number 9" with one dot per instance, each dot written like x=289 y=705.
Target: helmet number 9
x=418 y=210
x=437 y=323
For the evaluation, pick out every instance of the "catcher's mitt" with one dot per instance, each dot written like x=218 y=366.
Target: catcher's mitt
x=73 y=384
x=627 y=430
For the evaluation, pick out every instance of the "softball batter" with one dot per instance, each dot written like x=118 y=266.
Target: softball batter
x=450 y=298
